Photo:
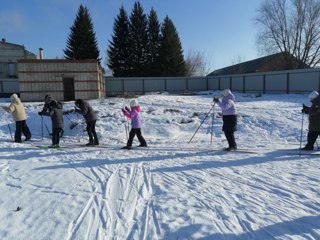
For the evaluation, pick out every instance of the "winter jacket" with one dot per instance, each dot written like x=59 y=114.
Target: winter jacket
x=16 y=108
x=229 y=116
x=55 y=112
x=314 y=115
x=134 y=115
x=227 y=105
x=86 y=110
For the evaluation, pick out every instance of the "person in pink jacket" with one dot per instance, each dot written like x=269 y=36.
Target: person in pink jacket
x=16 y=108
x=134 y=115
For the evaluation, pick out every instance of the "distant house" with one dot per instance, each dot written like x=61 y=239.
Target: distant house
x=275 y=62
x=9 y=55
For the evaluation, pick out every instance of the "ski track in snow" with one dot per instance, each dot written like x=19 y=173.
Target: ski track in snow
x=171 y=190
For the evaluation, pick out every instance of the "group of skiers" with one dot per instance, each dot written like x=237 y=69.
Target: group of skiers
x=54 y=109
x=226 y=102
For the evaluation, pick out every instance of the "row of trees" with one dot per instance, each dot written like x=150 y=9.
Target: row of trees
x=141 y=46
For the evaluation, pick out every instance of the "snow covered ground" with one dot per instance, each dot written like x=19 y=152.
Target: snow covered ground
x=173 y=190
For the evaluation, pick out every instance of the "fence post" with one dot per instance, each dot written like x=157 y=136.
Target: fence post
x=244 y=84
x=288 y=83
x=264 y=84
x=143 y=89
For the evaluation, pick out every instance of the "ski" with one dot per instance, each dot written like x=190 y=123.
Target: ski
x=90 y=146
x=47 y=147
x=297 y=151
x=240 y=150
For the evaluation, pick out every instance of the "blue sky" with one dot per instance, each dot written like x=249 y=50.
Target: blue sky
x=223 y=30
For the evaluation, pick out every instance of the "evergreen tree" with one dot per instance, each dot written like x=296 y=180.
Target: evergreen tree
x=138 y=39
x=171 y=54
x=118 y=52
x=153 y=44
x=82 y=43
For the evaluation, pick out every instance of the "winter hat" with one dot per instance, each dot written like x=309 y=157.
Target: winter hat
x=225 y=92
x=134 y=103
x=78 y=102
x=48 y=98
x=13 y=96
x=313 y=95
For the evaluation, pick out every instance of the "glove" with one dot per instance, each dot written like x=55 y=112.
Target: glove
x=127 y=108
x=40 y=113
x=123 y=110
x=216 y=99
x=305 y=109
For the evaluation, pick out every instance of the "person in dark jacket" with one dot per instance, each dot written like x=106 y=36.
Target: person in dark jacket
x=47 y=100
x=90 y=116
x=229 y=117
x=314 y=119
x=55 y=112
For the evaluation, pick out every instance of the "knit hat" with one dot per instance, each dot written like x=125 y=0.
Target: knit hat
x=78 y=102
x=48 y=98
x=13 y=96
x=134 y=103
x=225 y=92
x=313 y=95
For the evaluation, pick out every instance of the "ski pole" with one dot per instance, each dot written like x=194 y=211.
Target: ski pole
x=301 y=134
x=8 y=124
x=212 y=126
x=201 y=123
x=46 y=126
x=125 y=126
x=42 y=127
x=10 y=132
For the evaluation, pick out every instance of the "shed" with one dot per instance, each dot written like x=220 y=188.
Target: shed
x=65 y=80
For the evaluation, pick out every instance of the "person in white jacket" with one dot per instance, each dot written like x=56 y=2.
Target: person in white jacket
x=16 y=108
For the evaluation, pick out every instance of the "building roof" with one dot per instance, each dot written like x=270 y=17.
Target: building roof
x=274 y=62
x=12 y=46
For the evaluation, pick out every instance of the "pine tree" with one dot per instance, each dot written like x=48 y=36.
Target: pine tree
x=138 y=41
x=118 y=52
x=171 y=54
x=82 y=43
x=153 y=44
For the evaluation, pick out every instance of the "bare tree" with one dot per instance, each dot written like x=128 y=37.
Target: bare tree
x=293 y=28
x=196 y=64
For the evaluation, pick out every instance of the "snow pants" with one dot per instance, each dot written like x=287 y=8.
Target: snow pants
x=312 y=138
x=133 y=132
x=56 y=136
x=21 y=128
x=230 y=138
x=91 y=130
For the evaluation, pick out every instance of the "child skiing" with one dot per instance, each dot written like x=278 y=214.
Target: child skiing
x=134 y=115
x=89 y=115
x=314 y=119
x=17 y=110
x=47 y=100
x=55 y=112
x=229 y=117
